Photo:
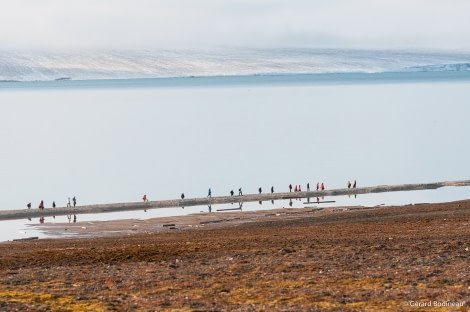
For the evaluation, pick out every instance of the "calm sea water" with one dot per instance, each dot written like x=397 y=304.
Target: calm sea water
x=113 y=141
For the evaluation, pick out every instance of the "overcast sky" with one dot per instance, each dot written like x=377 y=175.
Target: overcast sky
x=162 y=24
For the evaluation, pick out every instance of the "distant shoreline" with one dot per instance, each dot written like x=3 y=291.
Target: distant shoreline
x=243 y=79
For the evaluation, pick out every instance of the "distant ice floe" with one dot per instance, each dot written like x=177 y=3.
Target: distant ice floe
x=90 y=65
x=439 y=68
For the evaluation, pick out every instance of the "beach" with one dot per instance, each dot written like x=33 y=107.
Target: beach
x=353 y=258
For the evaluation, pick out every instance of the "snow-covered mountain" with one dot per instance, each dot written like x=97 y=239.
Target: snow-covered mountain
x=85 y=65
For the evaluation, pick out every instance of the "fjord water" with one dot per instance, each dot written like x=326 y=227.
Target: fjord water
x=113 y=141
x=114 y=144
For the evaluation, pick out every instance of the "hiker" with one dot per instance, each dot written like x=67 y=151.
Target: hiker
x=74 y=201
x=318 y=185
x=41 y=205
x=300 y=190
x=240 y=191
x=144 y=198
x=68 y=202
x=259 y=190
x=28 y=205
x=53 y=204
x=308 y=187
x=231 y=192
x=209 y=193
x=182 y=195
x=290 y=187
x=322 y=186
x=349 y=184
x=272 y=189
x=354 y=185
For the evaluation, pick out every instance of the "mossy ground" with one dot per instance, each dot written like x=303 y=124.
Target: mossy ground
x=366 y=260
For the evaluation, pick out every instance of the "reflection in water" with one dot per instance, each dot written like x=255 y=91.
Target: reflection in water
x=240 y=207
x=69 y=217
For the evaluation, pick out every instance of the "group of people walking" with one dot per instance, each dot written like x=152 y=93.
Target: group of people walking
x=41 y=204
x=74 y=201
x=353 y=185
x=296 y=188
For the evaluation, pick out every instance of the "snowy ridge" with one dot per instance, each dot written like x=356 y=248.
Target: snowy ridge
x=87 y=65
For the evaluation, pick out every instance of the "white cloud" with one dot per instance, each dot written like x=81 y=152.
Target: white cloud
x=207 y=23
